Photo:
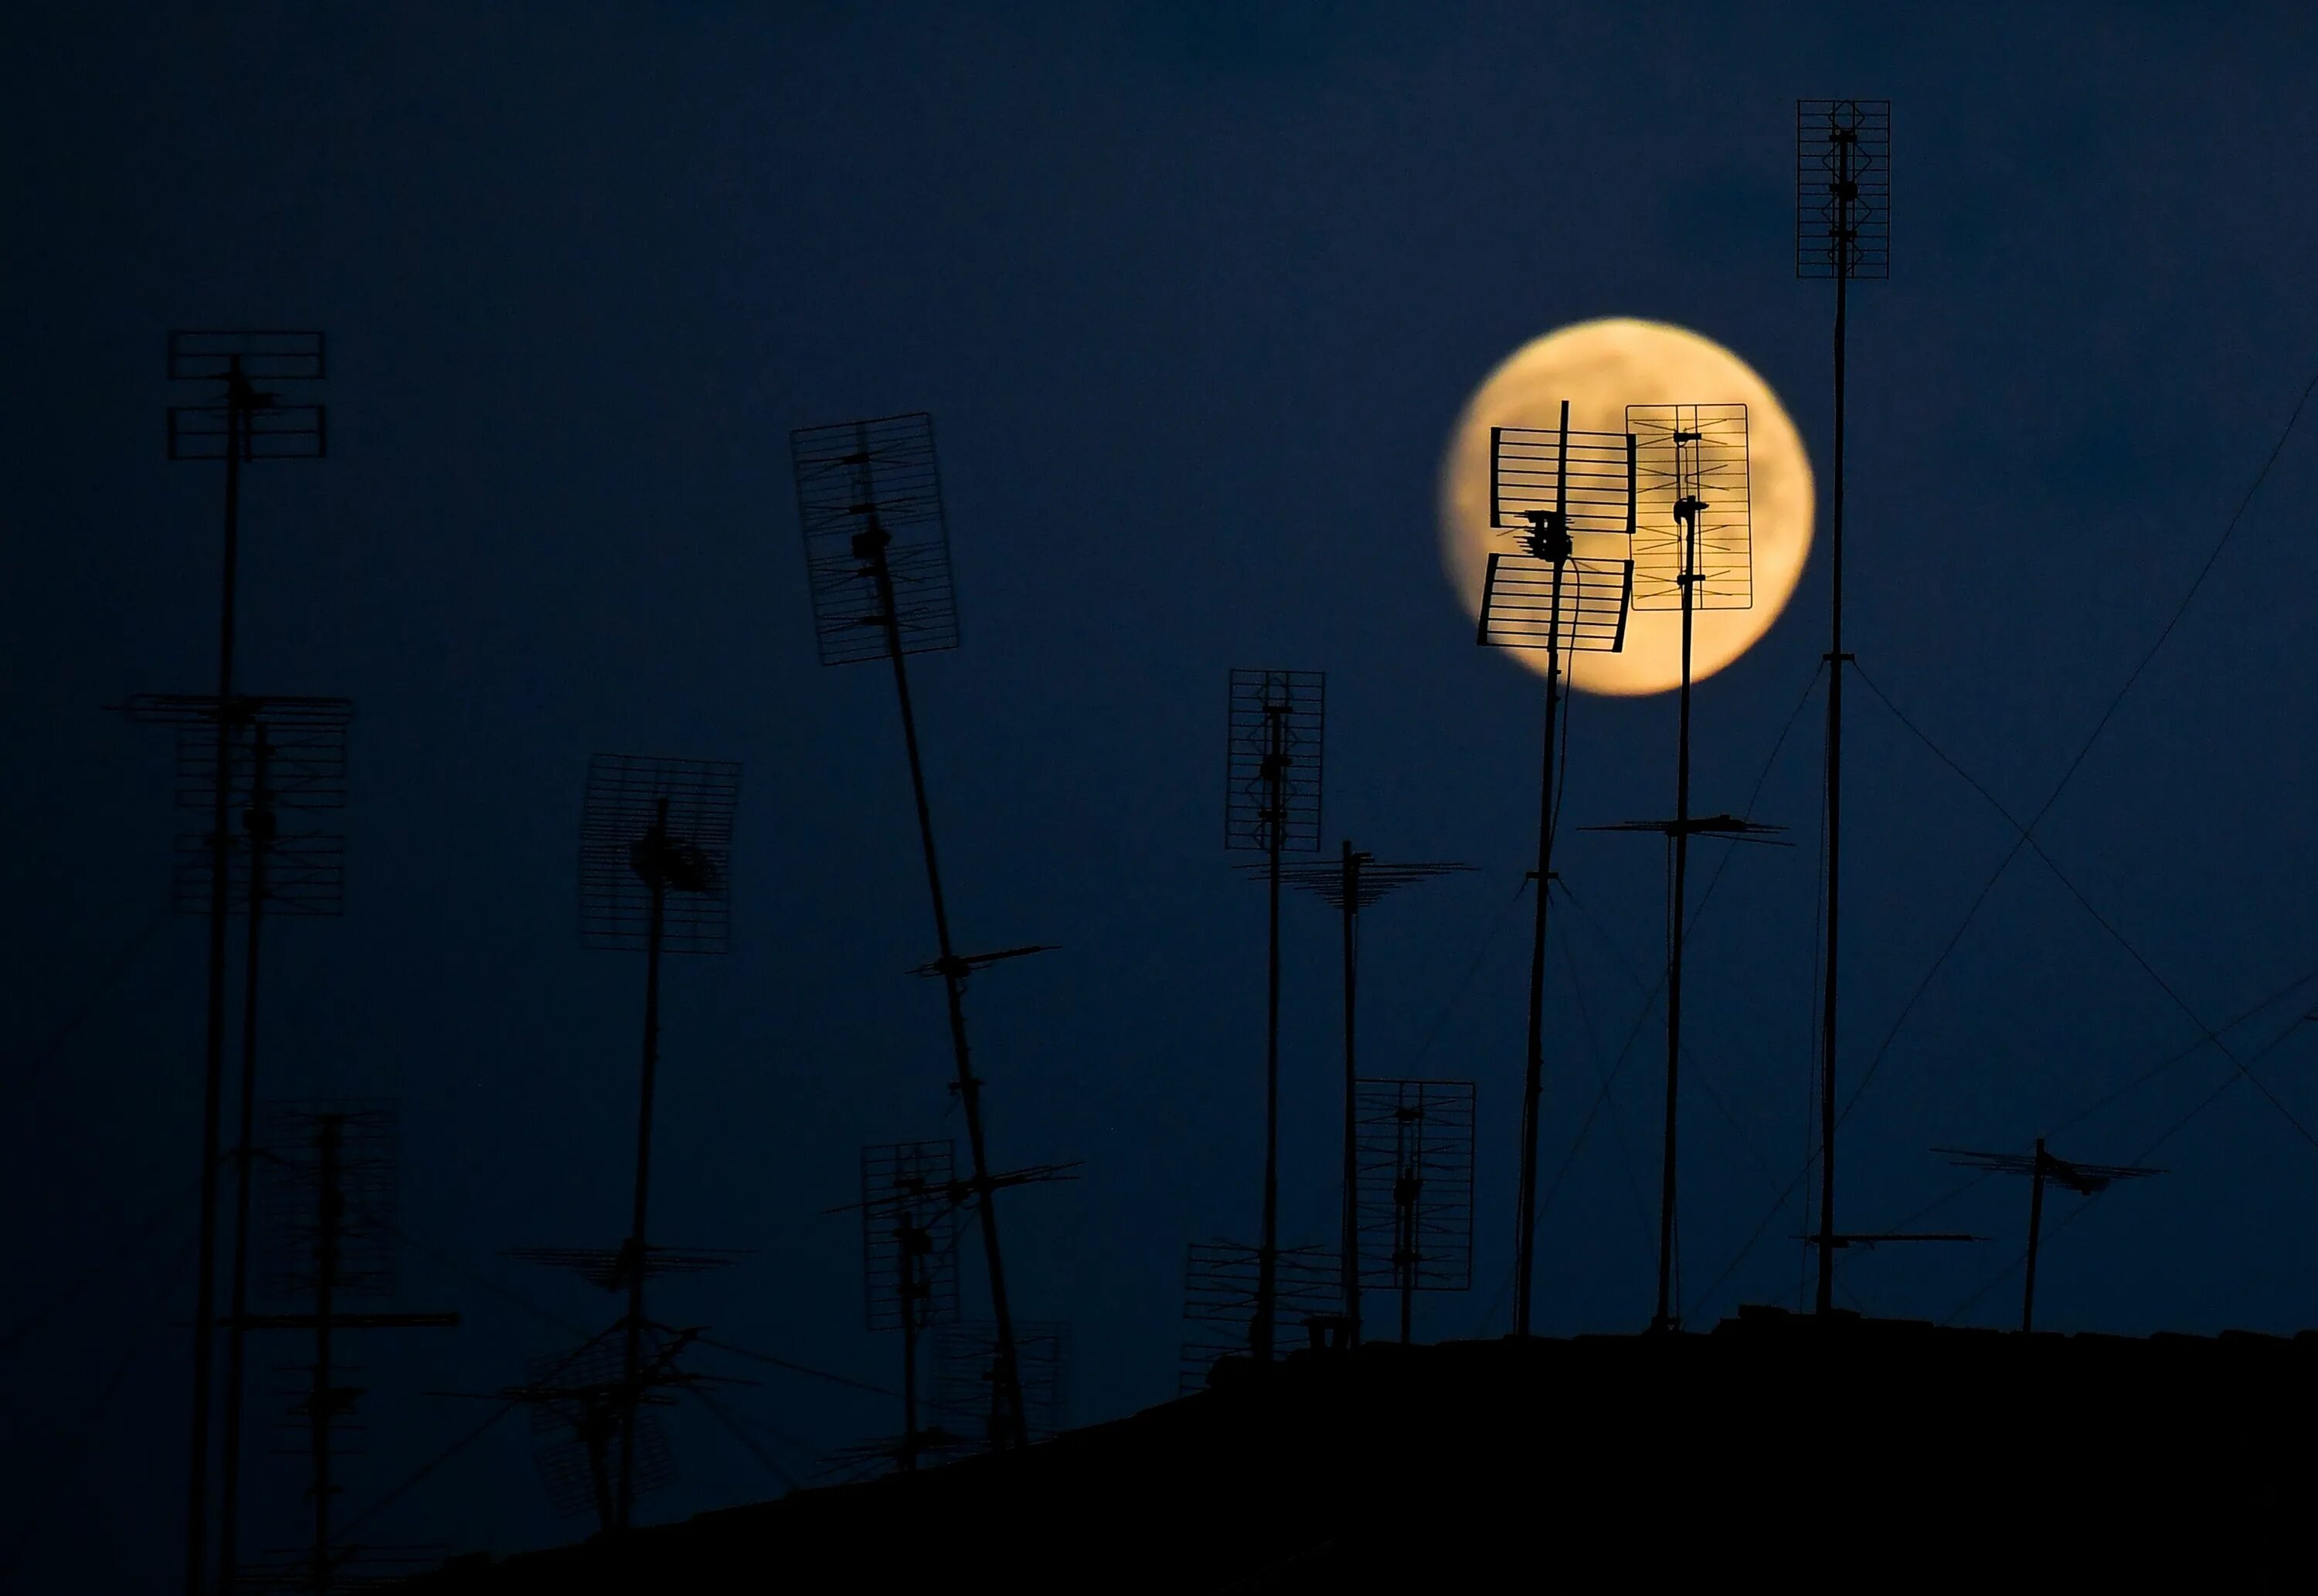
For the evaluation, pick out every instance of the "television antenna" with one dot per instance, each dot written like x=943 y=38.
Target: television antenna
x=1274 y=726
x=1843 y=230
x=1224 y=1288
x=2041 y=1166
x=245 y=421
x=1692 y=550
x=281 y=755
x=655 y=875
x=877 y=560
x=912 y=1208
x=1416 y=1222
x=1357 y=880
x=965 y=1374
x=1549 y=488
x=332 y=1209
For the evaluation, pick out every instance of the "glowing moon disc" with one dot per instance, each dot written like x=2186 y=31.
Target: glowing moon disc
x=1600 y=367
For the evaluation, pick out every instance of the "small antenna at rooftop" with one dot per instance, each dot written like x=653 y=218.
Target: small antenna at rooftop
x=2041 y=1166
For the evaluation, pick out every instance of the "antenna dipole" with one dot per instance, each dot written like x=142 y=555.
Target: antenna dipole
x=877 y=559
x=2083 y=1178
x=240 y=423
x=1355 y=882
x=1549 y=488
x=655 y=874
x=1275 y=722
x=1843 y=230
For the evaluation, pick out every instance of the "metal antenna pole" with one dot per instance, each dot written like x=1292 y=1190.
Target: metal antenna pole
x=1679 y=897
x=258 y=820
x=1349 y=886
x=237 y=398
x=632 y=1394
x=1557 y=547
x=331 y=1203
x=1263 y=1330
x=953 y=972
x=2036 y=1229
x=906 y=1238
x=1845 y=191
x=1843 y=230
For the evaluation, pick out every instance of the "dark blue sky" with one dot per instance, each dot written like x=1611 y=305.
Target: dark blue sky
x=1195 y=299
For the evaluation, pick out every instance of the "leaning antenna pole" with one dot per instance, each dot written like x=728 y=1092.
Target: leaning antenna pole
x=240 y=425
x=1547 y=487
x=1274 y=725
x=1843 y=230
x=877 y=558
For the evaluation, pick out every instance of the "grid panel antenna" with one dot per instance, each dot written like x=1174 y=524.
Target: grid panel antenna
x=909 y=1200
x=856 y=479
x=1518 y=605
x=1221 y=1282
x=366 y=1166
x=658 y=822
x=1415 y=1150
x=248 y=419
x=966 y=1367
x=1591 y=480
x=577 y=1401
x=282 y=754
x=1275 y=728
x=1692 y=481
x=1843 y=188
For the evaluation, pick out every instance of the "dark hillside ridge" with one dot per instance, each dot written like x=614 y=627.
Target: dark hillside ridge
x=1888 y=1444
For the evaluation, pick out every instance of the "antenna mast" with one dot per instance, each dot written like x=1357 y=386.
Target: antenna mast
x=1275 y=722
x=1693 y=549
x=1549 y=488
x=1843 y=230
x=241 y=424
x=655 y=875
x=1354 y=883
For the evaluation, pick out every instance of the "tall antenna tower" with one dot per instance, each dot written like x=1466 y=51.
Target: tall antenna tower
x=2040 y=1166
x=333 y=1210
x=1547 y=489
x=877 y=558
x=1843 y=230
x=1692 y=550
x=1357 y=880
x=655 y=874
x=1274 y=723
x=1416 y=1221
x=244 y=420
x=283 y=755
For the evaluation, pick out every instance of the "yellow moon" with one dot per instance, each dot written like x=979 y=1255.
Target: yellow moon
x=1600 y=367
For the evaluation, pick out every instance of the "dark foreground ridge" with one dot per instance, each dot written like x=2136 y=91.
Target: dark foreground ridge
x=1889 y=1444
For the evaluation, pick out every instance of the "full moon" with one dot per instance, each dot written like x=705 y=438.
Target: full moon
x=1600 y=367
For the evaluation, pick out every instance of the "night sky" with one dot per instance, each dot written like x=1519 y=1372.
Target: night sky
x=1195 y=295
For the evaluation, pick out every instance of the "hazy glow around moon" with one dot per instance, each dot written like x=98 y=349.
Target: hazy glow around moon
x=1600 y=367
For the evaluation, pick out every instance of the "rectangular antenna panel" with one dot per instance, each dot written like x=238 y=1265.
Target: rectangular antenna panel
x=688 y=805
x=1843 y=147
x=1271 y=714
x=881 y=473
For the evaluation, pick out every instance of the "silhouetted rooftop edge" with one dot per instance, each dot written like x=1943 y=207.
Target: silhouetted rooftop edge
x=1268 y=1479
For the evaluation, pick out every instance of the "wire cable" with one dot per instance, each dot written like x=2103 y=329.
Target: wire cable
x=2165 y=634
